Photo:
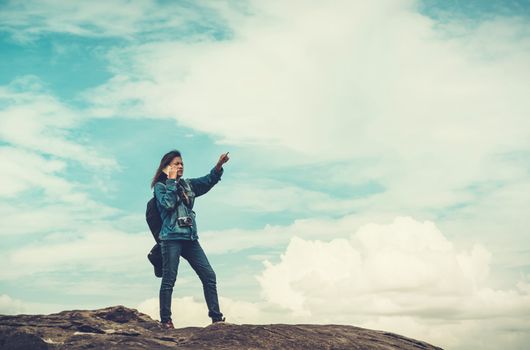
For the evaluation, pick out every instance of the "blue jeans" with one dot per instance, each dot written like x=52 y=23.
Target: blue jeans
x=192 y=251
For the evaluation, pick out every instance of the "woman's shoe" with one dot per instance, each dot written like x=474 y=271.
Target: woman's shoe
x=218 y=320
x=167 y=325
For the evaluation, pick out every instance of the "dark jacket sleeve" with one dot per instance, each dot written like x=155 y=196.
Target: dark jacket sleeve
x=201 y=185
x=166 y=194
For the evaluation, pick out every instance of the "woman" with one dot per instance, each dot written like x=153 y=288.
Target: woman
x=175 y=198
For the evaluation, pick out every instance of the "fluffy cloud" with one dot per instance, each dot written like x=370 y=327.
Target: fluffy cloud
x=406 y=276
x=433 y=112
x=39 y=198
x=20 y=169
x=39 y=149
x=32 y=119
x=233 y=240
x=188 y=311
x=13 y=306
x=91 y=249
x=98 y=18
x=267 y=196
x=10 y=306
x=370 y=88
x=122 y=19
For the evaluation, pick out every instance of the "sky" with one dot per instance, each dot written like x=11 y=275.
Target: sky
x=379 y=171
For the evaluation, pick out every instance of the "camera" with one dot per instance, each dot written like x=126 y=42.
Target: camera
x=185 y=221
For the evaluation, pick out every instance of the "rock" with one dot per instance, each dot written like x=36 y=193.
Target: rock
x=13 y=339
x=118 y=314
x=119 y=327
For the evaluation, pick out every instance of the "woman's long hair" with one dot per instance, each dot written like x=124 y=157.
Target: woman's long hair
x=166 y=159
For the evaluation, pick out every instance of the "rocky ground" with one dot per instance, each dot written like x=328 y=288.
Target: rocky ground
x=118 y=327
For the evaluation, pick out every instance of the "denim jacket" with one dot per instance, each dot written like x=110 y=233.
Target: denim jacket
x=171 y=205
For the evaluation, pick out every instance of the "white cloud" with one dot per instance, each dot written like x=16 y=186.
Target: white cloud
x=97 y=248
x=98 y=18
x=20 y=169
x=270 y=196
x=188 y=311
x=38 y=131
x=10 y=306
x=25 y=170
x=274 y=236
x=426 y=110
x=123 y=19
x=404 y=277
x=37 y=197
x=429 y=107
x=289 y=77
x=33 y=120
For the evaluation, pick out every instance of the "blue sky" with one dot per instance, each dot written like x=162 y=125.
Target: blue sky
x=379 y=170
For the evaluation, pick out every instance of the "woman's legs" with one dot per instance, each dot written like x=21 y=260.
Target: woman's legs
x=171 y=251
x=193 y=252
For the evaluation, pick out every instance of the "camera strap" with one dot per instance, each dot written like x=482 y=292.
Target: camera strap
x=188 y=199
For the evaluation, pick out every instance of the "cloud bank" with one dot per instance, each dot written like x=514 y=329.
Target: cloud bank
x=405 y=276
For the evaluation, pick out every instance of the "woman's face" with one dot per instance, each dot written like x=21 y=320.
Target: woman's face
x=178 y=164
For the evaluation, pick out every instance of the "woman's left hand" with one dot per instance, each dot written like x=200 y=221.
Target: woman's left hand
x=222 y=159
